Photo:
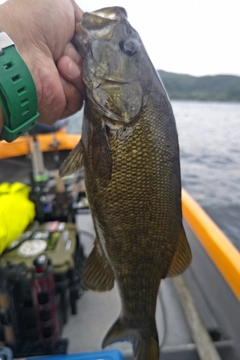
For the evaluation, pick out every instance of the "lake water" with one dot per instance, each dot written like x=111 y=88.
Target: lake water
x=209 y=138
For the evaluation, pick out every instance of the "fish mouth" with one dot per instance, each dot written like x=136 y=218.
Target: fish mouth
x=97 y=24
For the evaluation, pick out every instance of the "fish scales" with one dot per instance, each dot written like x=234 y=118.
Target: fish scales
x=145 y=226
x=129 y=149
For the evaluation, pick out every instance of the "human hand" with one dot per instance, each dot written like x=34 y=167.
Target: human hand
x=42 y=30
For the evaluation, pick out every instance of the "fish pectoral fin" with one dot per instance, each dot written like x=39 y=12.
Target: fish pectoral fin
x=182 y=257
x=98 y=275
x=73 y=162
x=145 y=348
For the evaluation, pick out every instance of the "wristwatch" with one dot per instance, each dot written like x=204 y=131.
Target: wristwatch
x=18 y=95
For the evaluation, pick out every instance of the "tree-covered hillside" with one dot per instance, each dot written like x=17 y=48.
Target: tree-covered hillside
x=206 y=88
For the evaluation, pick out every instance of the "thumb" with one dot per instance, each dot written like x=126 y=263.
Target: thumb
x=78 y=12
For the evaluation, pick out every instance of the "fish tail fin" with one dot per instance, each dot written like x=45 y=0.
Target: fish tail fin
x=145 y=348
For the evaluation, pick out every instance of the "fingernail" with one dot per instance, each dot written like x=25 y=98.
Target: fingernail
x=73 y=70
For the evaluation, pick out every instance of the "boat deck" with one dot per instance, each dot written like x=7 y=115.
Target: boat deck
x=98 y=311
x=215 y=302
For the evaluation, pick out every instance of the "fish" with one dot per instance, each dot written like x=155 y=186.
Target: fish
x=130 y=154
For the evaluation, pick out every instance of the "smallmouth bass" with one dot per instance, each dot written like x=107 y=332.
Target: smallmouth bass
x=129 y=150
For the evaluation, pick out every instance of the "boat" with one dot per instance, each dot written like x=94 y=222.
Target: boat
x=198 y=313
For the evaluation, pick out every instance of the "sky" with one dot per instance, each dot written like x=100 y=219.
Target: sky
x=197 y=37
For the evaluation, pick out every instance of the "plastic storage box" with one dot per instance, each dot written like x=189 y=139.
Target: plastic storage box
x=99 y=355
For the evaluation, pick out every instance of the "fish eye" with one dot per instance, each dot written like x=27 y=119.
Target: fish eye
x=130 y=47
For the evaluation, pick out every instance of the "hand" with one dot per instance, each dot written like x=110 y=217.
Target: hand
x=42 y=30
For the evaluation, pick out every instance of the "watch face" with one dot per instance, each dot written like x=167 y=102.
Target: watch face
x=32 y=248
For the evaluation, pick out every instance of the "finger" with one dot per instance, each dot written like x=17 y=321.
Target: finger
x=71 y=72
x=77 y=11
x=74 y=99
x=71 y=52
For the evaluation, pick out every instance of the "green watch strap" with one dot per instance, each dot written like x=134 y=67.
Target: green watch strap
x=18 y=95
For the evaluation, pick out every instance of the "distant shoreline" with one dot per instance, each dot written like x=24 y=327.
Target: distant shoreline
x=207 y=101
x=220 y=88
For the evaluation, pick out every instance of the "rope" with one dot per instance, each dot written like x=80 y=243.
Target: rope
x=204 y=344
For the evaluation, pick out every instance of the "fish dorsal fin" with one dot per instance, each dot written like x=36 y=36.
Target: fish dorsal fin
x=182 y=256
x=73 y=162
x=98 y=275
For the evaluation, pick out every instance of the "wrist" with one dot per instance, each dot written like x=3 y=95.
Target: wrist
x=18 y=98
x=1 y=119
x=3 y=28
x=12 y=30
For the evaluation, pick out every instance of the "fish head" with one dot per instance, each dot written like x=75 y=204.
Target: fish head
x=114 y=58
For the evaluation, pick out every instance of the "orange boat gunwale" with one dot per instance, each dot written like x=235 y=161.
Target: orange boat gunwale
x=20 y=146
x=222 y=252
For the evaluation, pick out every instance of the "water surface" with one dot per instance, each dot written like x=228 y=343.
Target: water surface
x=209 y=138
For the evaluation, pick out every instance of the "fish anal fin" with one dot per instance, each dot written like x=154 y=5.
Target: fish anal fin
x=145 y=348
x=73 y=162
x=182 y=257
x=98 y=275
